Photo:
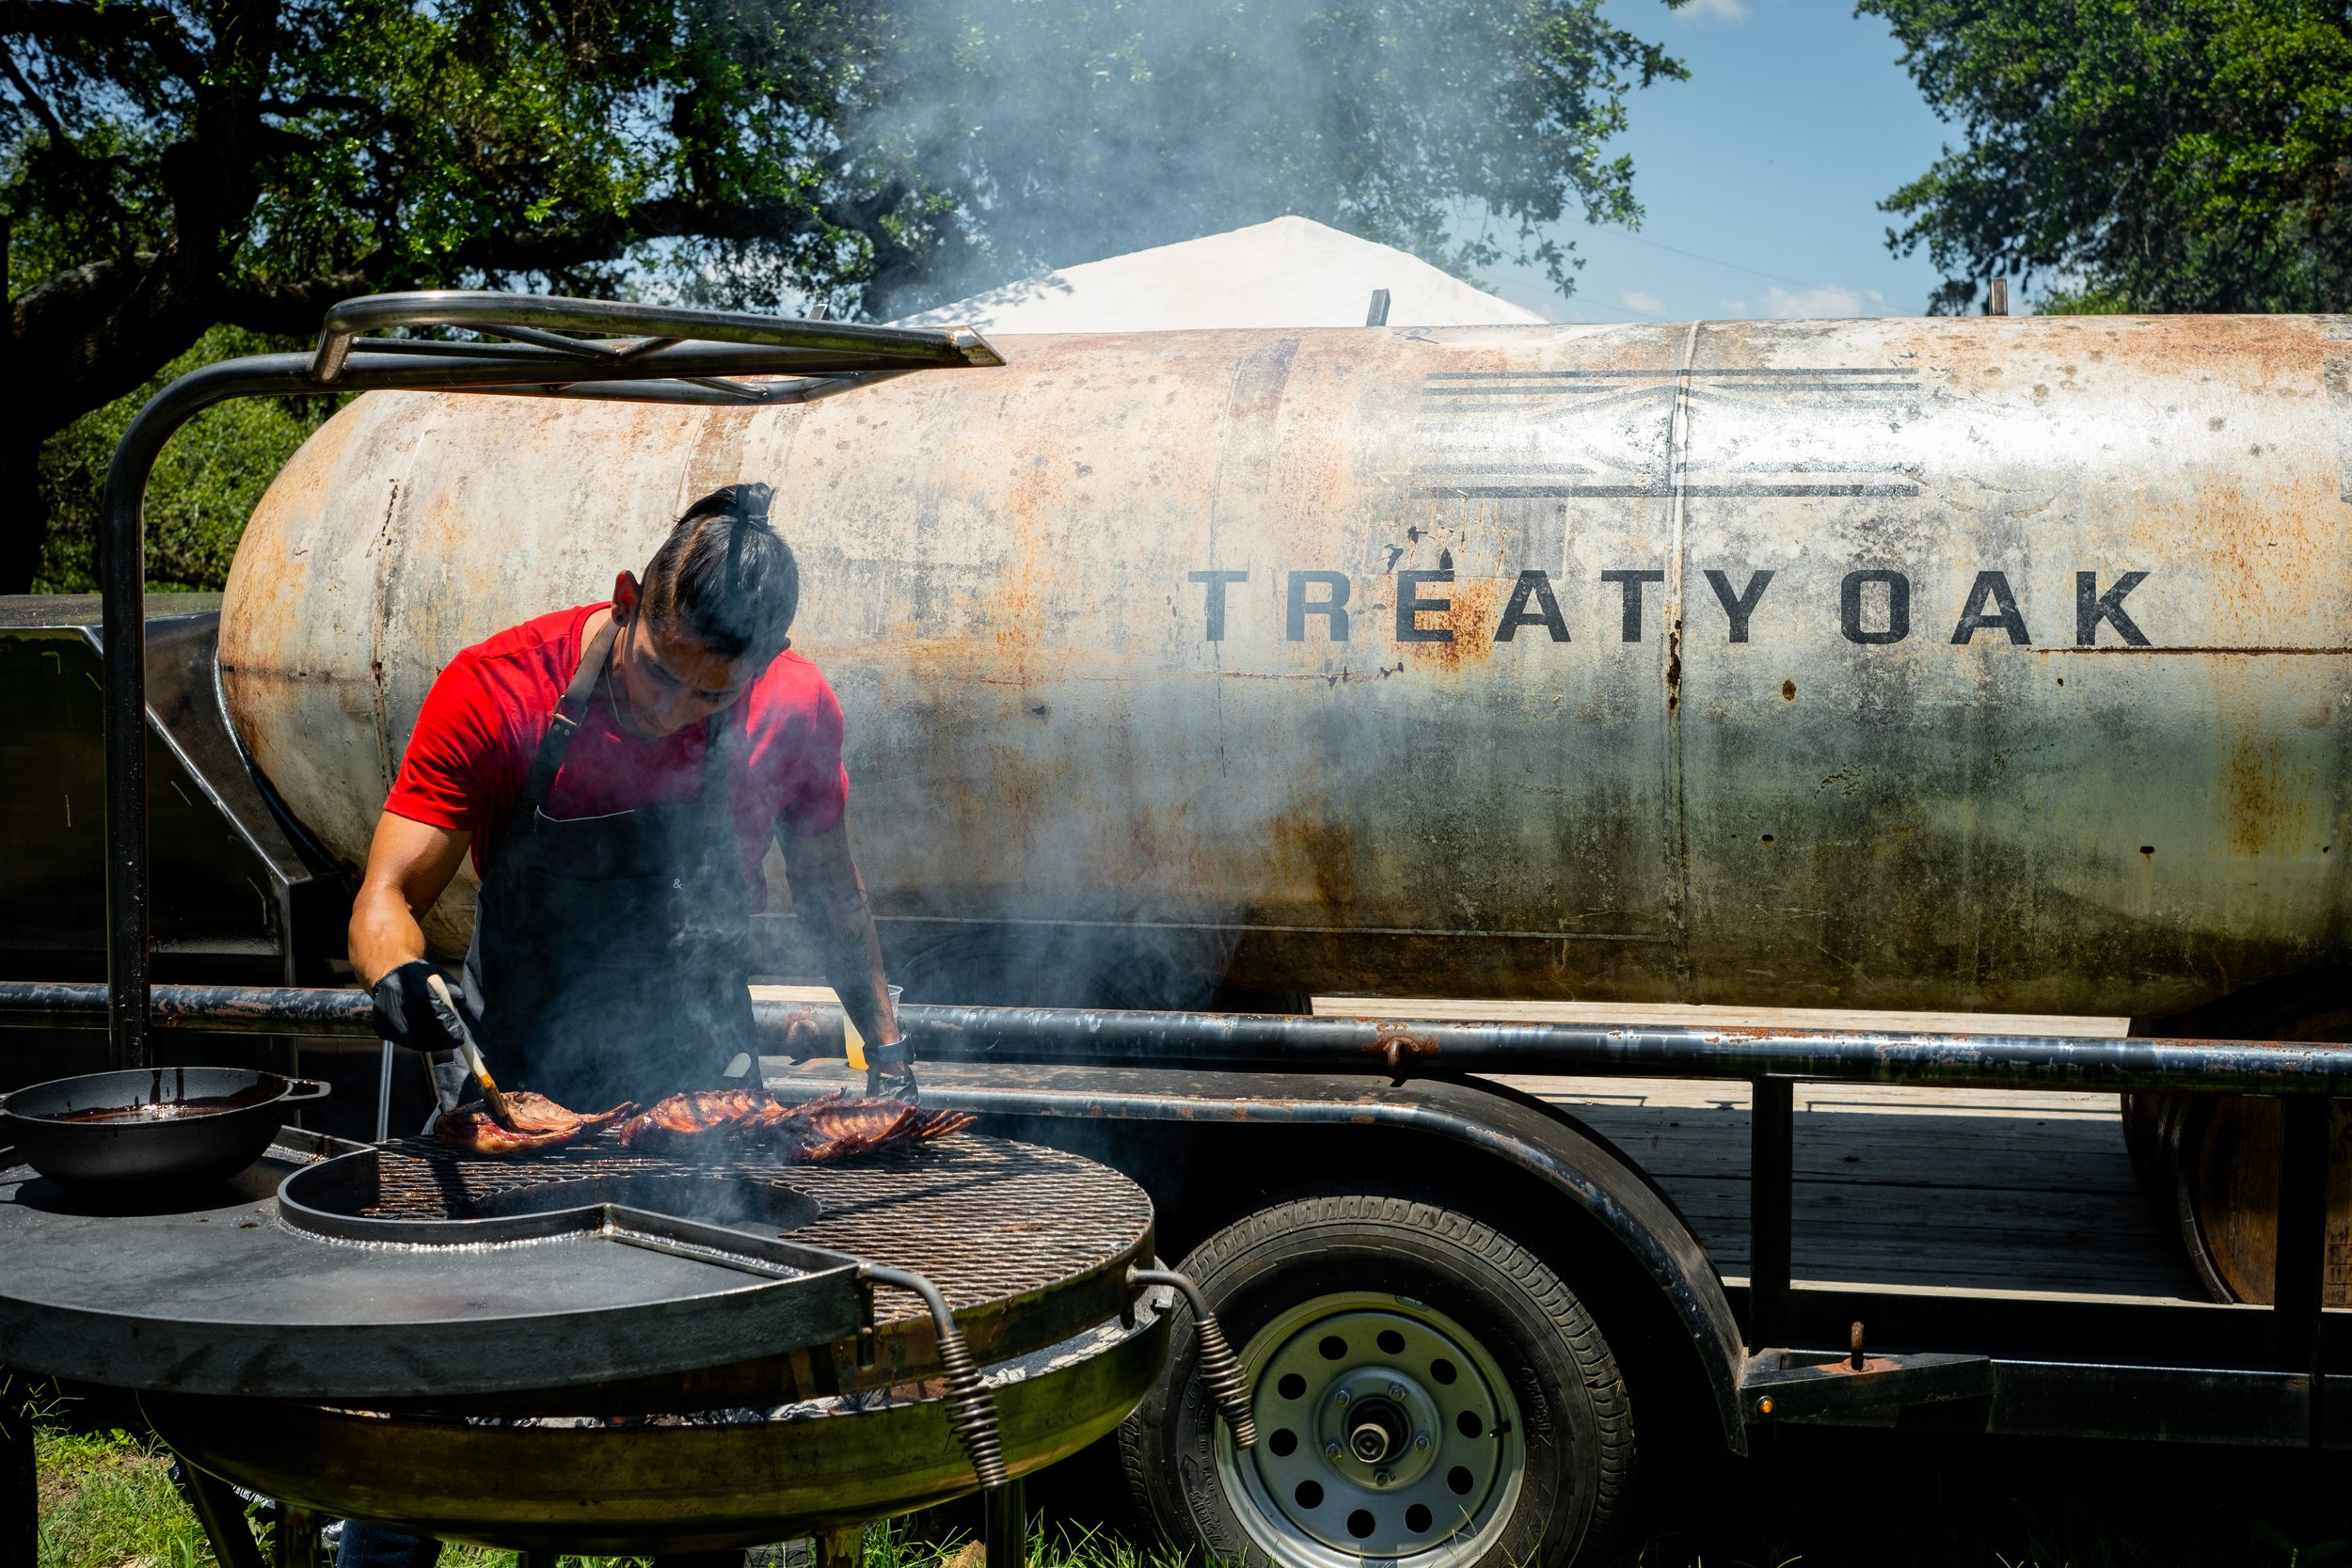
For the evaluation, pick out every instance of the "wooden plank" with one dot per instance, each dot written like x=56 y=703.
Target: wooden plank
x=1930 y=1188
x=795 y=993
x=1971 y=1152
x=2035 y=1241
x=1989 y=1292
x=1859 y=1158
x=1677 y=1013
x=1895 y=1099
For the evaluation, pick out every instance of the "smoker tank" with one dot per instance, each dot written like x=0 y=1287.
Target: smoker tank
x=1446 y=661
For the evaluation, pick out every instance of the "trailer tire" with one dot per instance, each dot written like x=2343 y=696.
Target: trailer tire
x=1420 y=1312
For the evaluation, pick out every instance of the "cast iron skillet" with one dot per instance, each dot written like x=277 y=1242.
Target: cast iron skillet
x=148 y=1125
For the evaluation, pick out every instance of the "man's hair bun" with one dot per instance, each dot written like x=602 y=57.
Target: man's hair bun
x=725 y=576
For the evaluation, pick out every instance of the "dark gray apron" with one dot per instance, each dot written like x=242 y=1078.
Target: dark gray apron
x=611 y=955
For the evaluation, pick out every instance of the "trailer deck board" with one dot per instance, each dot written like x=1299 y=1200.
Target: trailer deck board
x=1903 y=1186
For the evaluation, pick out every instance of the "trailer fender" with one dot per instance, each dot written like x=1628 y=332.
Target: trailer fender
x=1483 y=1119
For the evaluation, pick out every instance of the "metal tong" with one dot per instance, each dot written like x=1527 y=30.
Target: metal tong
x=492 y=1095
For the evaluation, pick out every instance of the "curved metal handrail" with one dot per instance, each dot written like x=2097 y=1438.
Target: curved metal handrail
x=536 y=320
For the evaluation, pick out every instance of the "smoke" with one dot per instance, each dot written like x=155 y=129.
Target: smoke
x=1054 y=133
x=1066 y=130
x=1031 y=804
x=1005 y=847
x=1060 y=132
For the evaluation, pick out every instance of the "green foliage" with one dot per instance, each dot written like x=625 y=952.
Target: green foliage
x=2084 y=301
x=210 y=478
x=2146 y=154
x=398 y=143
x=755 y=151
x=172 y=166
x=107 y=1500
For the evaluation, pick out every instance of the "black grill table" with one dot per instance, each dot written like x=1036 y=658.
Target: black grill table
x=590 y=1351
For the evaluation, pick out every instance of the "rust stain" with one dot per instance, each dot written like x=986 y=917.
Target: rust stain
x=1471 y=614
x=1870 y=1365
x=2260 y=795
x=979 y=547
x=1328 y=852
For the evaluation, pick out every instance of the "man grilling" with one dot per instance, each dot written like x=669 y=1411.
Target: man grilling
x=617 y=772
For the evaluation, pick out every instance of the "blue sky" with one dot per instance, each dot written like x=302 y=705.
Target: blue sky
x=1773 y=157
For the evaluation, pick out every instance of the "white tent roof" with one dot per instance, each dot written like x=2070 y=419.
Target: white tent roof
x=1292 y=272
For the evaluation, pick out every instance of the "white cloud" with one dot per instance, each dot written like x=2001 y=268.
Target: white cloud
x=1826 y=300
x=1734 y=306
x=1714 y=10
x=1647 y=305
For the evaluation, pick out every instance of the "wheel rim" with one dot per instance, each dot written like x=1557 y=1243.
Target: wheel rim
x=1386 y=1430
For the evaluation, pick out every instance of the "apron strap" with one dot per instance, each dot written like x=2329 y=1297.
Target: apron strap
x=718 y=747
x=569 y=709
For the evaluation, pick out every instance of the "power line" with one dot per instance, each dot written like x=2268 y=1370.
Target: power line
x=1715 y=261
x=1578 y=301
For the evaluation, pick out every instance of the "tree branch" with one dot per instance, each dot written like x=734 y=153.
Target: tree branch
x=63 y=21
x=58 y=135
x=295 y=309
x=93 y=333
x=314 y=103
x=662 y=218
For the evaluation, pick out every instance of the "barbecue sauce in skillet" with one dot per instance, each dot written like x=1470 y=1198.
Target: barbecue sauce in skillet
x=173 y=1110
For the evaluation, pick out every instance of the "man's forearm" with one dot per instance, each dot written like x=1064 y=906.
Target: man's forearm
x=830 y=897
x=842 y=924
x=408 y=865
x=384 y=933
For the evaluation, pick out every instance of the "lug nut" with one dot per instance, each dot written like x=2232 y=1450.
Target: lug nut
x=1331 y=1450
x=1396 y=1390
x=1420 y=1440
x=1384 y=1477
x=1341 y=1397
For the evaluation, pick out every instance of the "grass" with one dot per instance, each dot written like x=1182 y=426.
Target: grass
x=107 y=1501
x=1814 y=1499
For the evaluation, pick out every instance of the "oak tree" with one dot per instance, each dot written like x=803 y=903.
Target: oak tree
x=179 y=164
x=175 y=168
x=2136 y=154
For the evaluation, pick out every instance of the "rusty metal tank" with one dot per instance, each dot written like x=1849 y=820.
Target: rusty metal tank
x=1974 y=664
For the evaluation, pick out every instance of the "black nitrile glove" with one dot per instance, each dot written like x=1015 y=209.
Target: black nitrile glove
x=890 y=1070
x=407 y=1013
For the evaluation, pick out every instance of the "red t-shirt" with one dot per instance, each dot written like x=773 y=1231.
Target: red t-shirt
x=483 y=719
